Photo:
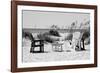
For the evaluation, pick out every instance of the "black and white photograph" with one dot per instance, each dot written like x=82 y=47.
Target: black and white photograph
x=55 y=36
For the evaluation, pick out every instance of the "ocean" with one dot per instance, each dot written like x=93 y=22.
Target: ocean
x=46 y=30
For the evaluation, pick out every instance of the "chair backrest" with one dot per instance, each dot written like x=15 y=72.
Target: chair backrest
x=29 y=35
x=40 y=43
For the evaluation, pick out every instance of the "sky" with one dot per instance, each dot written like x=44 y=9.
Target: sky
x=44 y=19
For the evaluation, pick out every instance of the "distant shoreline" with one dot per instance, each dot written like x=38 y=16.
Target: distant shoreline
x=46 y=30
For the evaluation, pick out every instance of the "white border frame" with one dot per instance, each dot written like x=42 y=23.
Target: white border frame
x=57 y=63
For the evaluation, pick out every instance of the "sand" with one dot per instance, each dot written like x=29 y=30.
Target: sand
x=51 y=55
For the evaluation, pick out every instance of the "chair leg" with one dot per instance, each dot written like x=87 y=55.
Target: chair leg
x=83 y=45
x=32 y=47
x=41 y=48
x=79 y=44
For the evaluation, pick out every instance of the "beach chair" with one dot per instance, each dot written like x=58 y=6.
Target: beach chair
x=34 y=45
